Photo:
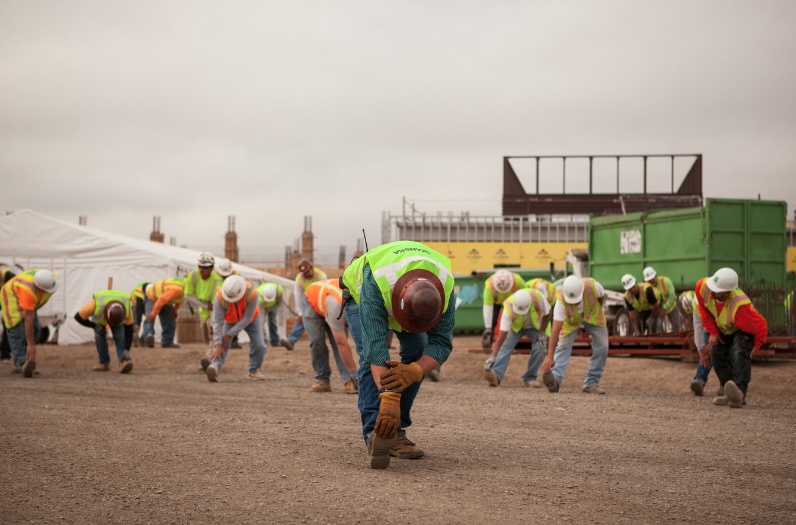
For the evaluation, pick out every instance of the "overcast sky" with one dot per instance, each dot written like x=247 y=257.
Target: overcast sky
x=275 y=110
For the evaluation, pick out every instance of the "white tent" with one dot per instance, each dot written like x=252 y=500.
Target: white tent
x=84 y=258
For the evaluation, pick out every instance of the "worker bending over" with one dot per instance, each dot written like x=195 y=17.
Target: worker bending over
x=5 y=348
x=200 y=291
x=307 y=275
x=138 y=306
x=272 y=309
x=163 y=300
x=224 y=269
x=497 y=288
x=642 y=304
x=668 y=299
x=110 y=308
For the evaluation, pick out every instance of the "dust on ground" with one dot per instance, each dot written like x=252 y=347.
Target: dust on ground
x=163 y=445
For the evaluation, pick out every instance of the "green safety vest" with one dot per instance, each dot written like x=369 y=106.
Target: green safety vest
x=203 y=289
x=12 y=309
x=137 y=294
x=725 y=321
x=640 y=303
x=539 y=283
x=666 y=294
x=389 y=262
x=535 y=312
x=592 y=310
x=317 y=275
x=103 y=298
x=270 y=304
x=492 y=296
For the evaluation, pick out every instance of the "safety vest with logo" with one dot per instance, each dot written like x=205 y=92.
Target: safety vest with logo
x=535 y=312
x=203 y=289
x=318 y=292
x=270 y=304
x=666 y=294
x=539 y=283
x=640 y=303
x=101 y=299
x=500 y=297
x=389 y=262
x=317 y=275
x=724 y=321
x=154 y=291
x=137 y=294
x=691 y=301
x=236 y=310
x=9 y=297
x=592 y=310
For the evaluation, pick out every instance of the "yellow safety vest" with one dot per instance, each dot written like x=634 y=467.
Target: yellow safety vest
x=640 y=303
x=725 y=321
x=539 y=283
x=535 y=312
x=592 y=310
x=666 y=294
x=9 y=297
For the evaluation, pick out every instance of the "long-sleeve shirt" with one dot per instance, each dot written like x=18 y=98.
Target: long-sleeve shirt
x=747 y=319
x=375 y=328
x=220 y=325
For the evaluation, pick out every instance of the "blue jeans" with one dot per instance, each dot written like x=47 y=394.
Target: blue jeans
x=257 y=346
x=168 y=324
x=269 y=317
x=318 y=330
x=599 y=347
x=18 y=341
x=412 y=346
x=701 y=337
x=296 y=332
x=118 y=340
x=534 y=360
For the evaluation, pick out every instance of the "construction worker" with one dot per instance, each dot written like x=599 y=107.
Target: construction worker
x=236 y=309
x=736 y=331
x=5 y=349
x=200 y=290
x=642 y=303
x=408 y=287
x=163 y=299
x=21 y=297
x=497 y=288
x=668 y=299
x=138 y=305
x=690 y=307
x=790 y=309
x=224 y=269
x=579 y=303
x=525 y=314
x=272 y=308
x=307 y=275
x=110 y=308
x=322 y=311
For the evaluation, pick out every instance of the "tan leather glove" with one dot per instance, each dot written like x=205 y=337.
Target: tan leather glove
x=400 y=376
x=389 y=419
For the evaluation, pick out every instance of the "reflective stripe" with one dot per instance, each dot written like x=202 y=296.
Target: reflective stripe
x=726 y=320
x=390 y=270
x=592 y=310
x=641 y=303
x=535 y=312
x=319 y=291
x=236 y=310
x=101 y=299
x=12 y=306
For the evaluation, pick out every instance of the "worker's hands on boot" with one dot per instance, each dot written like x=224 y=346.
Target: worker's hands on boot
x=30 y=353
x=490 y=362
x=389 y=419
x=218 y=353
x=400 y=376
x=548 y=364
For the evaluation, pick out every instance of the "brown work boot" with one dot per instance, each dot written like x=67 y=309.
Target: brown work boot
x=286 y=344
x=102 y=367
x=491 y=378
x=734 y=395
x=404 y=448
x=28 y=367
x=350 y=387
x=593 y=389
x=203 y=364
x=126 y=366
x=212 y=374
x=379 y=450
x=321 y=386
x=171 y=345
x=697 y=387
x=721 y=401
x=550 y=382
x=150 y=341
x=256 y=375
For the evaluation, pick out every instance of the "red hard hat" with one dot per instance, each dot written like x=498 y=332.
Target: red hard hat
x=114 y=313
x=418 y=301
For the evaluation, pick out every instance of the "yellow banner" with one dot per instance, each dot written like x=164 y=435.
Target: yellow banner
x=468 y=256
x=791 y=258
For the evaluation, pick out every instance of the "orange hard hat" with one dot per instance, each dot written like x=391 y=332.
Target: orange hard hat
x=418 y=301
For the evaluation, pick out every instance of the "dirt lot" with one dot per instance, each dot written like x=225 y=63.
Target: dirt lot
x=162 y=445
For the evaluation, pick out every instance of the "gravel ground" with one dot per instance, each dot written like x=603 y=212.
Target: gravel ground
x=162 y=445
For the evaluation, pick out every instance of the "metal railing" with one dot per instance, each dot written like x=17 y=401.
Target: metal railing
x=770 y=301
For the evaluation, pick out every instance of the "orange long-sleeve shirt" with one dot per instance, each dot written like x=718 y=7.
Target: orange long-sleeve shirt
x=747 y=319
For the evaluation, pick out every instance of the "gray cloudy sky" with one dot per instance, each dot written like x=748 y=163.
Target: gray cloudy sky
x=275 y=110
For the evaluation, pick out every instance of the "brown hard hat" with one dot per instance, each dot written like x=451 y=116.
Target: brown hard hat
x=114 y=313
x=418 y=301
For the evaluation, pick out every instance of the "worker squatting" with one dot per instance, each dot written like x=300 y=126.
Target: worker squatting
x=406 y=289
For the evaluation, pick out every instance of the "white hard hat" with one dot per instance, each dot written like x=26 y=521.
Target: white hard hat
x=233 y=288
x=224 y=267
x=269 y=292
x=628 y=281
x=573 y=289
x=686 y=302
x=45 y=280
x=724 y=280
x=206 y=260
x=522 y=302
x=649 y=273
x=503 y=280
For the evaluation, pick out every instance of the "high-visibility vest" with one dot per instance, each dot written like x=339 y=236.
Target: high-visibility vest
x=640 y=303
x=666 y=294
x=539 y=283
x=389 y=262
x=691 y=301
x=137 y=293
x=500 y=297
x=203 y=289
x=318 y=292
x=101 y=299
x=5 y=275
x=9 y=297
x=236 y=310
x=726 y=320
x=269 y=304
x=592 y=310
x=317 y=275
x=535 y=312
x=155 y=291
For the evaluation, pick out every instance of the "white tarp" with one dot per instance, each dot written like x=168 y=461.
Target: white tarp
x=84 y=258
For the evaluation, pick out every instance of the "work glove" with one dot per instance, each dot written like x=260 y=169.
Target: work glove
x=489 y=363
x=400 y=376
x=389 y=419
x=543 y=343
x=486 y=338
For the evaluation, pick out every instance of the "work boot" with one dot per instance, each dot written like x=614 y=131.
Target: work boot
x=491 y=378
x=550 y=382
x=379 y=450
x=203 y=364
x=593 y=389
x=126 y=366
x=697 y=387
x=102 y=367
x=212 y=373
x=28 y=367
x=285 y=343
x=135 y=339
x=171 y=345
x=150 y=341
x=235 y=345
x=720 y=391
x=321 y=386
x=256 y=375
x=350 y=387
x=433 y=376
x=532 y=384
x=734 y=395
x=404 y=448
x=721 y=401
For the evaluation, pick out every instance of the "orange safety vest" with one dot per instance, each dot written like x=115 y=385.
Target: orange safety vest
x=12 y=309
x=317 y=293
x=155 y=291
x=236 y=310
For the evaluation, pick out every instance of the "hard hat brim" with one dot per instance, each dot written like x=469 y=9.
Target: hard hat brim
x=520 y=311
x=402 y=316
x=628 y=286
x=235 y=298
x=716 y=288
x=223 y=273
x=574 y=300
